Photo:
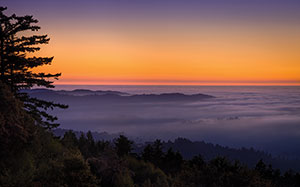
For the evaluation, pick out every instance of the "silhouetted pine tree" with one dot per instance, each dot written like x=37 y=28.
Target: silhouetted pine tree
x=123 y=145
x=16 y=67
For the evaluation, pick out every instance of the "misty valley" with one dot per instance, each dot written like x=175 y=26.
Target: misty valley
x=229 y=116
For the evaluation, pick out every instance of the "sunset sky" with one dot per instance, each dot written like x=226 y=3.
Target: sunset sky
x=206 y=42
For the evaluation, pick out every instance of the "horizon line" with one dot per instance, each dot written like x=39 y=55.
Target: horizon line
x=181 y=82
x=99 y=84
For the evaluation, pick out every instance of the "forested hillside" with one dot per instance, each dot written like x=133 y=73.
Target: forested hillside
x=188 y=149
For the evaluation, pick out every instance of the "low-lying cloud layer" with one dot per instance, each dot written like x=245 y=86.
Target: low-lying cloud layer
x=267 y=119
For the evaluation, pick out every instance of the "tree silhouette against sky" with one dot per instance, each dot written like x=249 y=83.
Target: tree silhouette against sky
x=16 y=68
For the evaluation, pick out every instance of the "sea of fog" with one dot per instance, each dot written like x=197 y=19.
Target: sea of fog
x=263 y=117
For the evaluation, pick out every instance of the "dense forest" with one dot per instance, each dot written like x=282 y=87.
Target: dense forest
x=188 y=149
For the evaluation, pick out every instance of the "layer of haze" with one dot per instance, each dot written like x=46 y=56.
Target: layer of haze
x=264 y=117
x=169 y=42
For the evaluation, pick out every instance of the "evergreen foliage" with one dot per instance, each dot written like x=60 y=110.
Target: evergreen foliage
x=17 y=64
x=123 y=145
x=32 y=156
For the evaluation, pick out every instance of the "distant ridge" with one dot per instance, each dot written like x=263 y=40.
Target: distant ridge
x=76 y=92
x=98 y=136
x=170 y=97
x=116 y=95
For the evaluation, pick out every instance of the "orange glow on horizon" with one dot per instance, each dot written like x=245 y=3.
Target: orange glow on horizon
x=239 y=55
x=178 y=83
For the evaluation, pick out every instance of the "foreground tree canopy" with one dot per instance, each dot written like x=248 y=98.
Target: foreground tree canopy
x=31 y=156
x=16 y=67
